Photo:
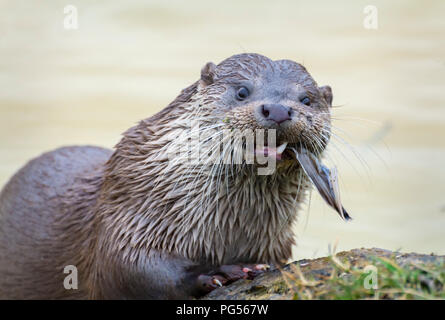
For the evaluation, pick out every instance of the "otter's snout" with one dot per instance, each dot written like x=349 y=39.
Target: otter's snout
x=275 y=112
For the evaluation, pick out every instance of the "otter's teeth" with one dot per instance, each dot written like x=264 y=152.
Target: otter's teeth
x=281 y=149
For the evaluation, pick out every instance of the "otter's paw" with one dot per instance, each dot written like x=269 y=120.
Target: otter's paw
x=235 y=272
x=229 y=273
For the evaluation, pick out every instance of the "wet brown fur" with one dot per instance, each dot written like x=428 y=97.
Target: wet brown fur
x=137 y=225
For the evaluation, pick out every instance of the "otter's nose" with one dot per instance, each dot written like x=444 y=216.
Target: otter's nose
x=276 y=112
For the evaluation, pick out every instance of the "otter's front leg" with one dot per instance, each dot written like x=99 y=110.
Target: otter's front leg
x=155 y=275
x=161 y=275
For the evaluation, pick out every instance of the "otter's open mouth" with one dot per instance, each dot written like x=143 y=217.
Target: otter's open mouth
x=278 y=153
x=324 y=179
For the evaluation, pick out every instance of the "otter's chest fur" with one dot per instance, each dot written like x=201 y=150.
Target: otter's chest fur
x=245 y=219
x=254 y=217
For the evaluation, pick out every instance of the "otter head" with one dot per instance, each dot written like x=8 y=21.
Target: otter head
x=250 y=91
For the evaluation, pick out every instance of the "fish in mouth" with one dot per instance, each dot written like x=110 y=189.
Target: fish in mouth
x=324 y=179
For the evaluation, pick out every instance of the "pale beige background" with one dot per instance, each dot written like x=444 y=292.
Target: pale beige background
x=129 y=59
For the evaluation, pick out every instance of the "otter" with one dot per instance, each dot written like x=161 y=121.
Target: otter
x=140 y=222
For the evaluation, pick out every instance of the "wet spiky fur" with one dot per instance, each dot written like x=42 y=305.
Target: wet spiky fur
x=146 y=204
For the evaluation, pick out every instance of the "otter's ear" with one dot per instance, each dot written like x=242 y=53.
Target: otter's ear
x=326 y=91
x=208 y=74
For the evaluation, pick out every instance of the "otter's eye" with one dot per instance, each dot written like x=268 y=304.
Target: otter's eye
x=242 y=93
x=306 y=101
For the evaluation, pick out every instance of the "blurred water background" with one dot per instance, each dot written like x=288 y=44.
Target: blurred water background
x=129 y=59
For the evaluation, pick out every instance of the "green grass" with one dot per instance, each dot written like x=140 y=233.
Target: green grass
x=346 y=282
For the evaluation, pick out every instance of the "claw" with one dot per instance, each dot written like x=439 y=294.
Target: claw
x=262 y=267
x=217 y=282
